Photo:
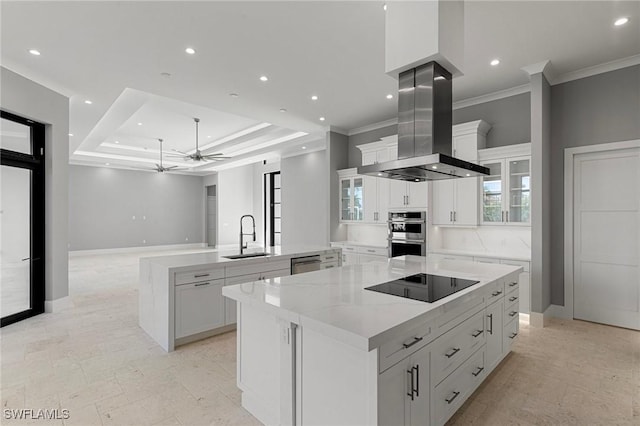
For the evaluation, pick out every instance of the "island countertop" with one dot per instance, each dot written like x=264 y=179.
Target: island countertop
x=176 y=262
x=336 y=303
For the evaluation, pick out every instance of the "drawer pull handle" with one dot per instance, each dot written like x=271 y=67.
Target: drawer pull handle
x=496 y=293
x=477 y=333
x=513 y=335
x=451 y=399
x=371 y=251
x=329 y=266
x=330 y=257
x=513 y=298
x=513 y=284
x=415 y=340
x=478 y=371
x=200 y=284
x=513 y=313
x=200 y=275
x=452 y=353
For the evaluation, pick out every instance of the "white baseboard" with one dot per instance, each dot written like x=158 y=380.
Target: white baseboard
x=58 y=305
x=75 y=253
x=539 y=320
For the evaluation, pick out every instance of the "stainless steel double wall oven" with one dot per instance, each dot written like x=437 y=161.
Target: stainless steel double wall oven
x=407 y=233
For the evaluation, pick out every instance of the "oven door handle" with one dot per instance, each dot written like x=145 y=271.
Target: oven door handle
x=421 y=221
x=394 y=240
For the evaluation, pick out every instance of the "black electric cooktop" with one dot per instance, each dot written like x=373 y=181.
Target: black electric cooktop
x=424 y=287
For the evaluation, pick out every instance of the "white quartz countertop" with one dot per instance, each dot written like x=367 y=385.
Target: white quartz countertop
x=217 y=257
x=335 y=302
x=523 y=257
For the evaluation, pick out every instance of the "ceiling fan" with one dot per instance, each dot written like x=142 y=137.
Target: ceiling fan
x=159 y=167
x=197 y=155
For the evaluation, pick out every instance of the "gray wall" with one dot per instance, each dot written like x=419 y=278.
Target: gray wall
x=594 y=110
x=304 y=199
x=337 y=158
x=510 y=120
x=168 y=208
x=26 y=98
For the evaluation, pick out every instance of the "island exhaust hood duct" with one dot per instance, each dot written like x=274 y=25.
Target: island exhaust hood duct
x=424 y=130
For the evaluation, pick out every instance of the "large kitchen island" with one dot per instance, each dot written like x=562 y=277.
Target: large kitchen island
x=320 y=348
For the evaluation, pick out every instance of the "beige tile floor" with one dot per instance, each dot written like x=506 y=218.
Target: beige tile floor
x=95 y=361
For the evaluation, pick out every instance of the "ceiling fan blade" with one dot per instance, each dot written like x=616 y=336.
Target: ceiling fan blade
x=215 y=157
x=171 y=168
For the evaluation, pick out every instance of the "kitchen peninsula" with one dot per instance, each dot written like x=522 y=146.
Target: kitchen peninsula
x=180 y=296
x=322 y=339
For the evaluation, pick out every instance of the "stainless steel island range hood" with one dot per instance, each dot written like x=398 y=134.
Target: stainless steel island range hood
x=424 y=130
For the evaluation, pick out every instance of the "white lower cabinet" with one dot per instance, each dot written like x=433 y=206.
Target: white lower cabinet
x=199 y=307
x=403 y=391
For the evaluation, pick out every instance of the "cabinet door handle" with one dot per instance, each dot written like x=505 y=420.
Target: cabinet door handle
x=415 y=340
x=496 y=293
x=200 y=275
x=503 y=216
x=490 y=316
x=478 y=371
x=477 y=333
x=455 y=216
x=452 y=398
x=410 y=393
x=513 y=298
x=417 y=368
x=513 y=284
x=452 y=353
x=408 y=200
x=507 y=214
x=201 y=284
x=513 y=335
x=450 y=216
x=513 y=313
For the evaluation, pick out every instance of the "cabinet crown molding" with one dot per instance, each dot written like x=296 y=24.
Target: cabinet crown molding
x=480 y=127
x=516 y=150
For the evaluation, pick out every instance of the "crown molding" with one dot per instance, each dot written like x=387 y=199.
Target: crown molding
x=500 y=94
x=597 y=69
x=339 y=130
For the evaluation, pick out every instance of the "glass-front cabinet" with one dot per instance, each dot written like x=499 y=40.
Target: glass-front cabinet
x=506 y=192
x=351 y=197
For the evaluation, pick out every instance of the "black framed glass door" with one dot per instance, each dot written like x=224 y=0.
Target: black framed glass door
x=272 y=209
x=22 y=216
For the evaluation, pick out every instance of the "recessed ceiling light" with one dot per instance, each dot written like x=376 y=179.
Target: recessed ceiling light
x=107 y=164
x=264 y=78
x=88 y=102
x=384 y=7
x=233 y=95
x=389 y=96
x=283 y=110
x=304 y=147
x=621 y=21
x=117 y=141
x=34 y=52
x=495 y=62
x=190 y=50
x=70 y=134
x=434 y=167
x=417 y=180
x=139 y=124
x=321 y=118
x=468 y=174
x=314 y=98
x=379 y=174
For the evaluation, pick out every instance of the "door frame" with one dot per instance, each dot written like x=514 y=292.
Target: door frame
x=569 y=178
x=35 y=163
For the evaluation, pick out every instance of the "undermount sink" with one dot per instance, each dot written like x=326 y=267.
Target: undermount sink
x=244 y=256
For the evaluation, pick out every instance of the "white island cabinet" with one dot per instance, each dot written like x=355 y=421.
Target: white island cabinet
x=321 y=349
x=180 y=296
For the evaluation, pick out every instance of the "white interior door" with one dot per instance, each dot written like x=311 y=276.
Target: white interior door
x=607 y=237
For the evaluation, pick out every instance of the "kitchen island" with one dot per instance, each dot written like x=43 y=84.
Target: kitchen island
x=319 y=348
x=180 y=296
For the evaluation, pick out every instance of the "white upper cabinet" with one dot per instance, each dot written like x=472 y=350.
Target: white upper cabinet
x=455 y=201
x=506 y=192
x=376 y=197
x=351 y=196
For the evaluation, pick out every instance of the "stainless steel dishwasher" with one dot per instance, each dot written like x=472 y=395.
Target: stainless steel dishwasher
x=301 y=265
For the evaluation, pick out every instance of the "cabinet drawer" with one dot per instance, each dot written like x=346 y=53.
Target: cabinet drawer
x=486 y=260
x=392 y=352
x=349 y=249
x=457 y=312
x=511 y=309
x=525 y=265
x=511 y=331
x=197 y=276
x=495 y=291
x=376 y=251
x=329 y=265
x=440 y=256
x=512 y=284
x=452 y=392
x=330 y=257
x=199 y=307
x=452 y=348
x=257 y=268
